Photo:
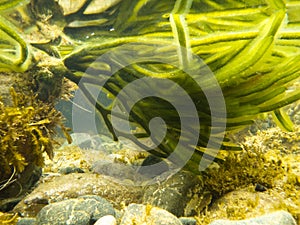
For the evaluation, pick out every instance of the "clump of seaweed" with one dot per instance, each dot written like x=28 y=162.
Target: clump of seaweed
x=26 y=129
x=248 y=167
x=7 y=218
x=263 y=161
x=252 y=49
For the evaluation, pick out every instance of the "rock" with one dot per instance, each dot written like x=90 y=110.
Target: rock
x=260 y=187
x=62 y=213
x=198 y=202
x=119 y=214
x=188 y=220
x=7 y=80
x=107 y=220
x=74 y=185
x=117 y=170
x=26 y=221
x=83 y=210
x=67 y=170
x=294 y=112
x=276 y=218
x=246 y=203
x=173 y=193
x=148 y=215
x=96 y=206
x=67 y=160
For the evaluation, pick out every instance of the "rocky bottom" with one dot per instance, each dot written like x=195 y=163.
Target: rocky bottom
x=95 y=181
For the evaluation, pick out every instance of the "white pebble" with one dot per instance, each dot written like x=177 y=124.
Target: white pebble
x=107 y=220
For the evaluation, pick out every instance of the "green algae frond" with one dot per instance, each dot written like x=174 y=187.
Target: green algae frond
x=7 y=218
x=251 y=47
x=15 y=51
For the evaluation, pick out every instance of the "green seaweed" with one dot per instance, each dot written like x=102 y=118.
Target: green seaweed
x=268 y=158
x=252 y=48
x=15 y=51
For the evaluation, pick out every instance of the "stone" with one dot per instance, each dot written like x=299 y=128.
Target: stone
x=113 y=169
x=60 y=213
x=96 y=206
x=119 y=214
x=74 y=185
x=250 y=204
x=26 y=221
x=276 y=218
x=188 y=220
x=106 y=220
x=83 y=210
x=68 y=169
x=260 y=188
x=148 y=215
x=173 y=193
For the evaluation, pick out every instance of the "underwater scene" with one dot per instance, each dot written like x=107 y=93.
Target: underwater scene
x=147 y=112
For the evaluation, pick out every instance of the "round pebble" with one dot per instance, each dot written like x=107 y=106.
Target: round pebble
x=107 y=220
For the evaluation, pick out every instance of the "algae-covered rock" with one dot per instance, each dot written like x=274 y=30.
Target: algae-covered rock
x=246 y=203
x=276 y=218
x=75 y=185
x=174 y=193
x=271 y=160
x=148 y=215
x=83 y=210
x=26 y=221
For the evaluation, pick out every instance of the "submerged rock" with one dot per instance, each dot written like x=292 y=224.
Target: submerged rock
x=68 y=169
x=84 y=210
x=172 y=194
x=247 y=203
x=75 y=185
x=148 y=215
x=117 y=170
x=188 y=220
x=26 y=221
x=276 y=218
